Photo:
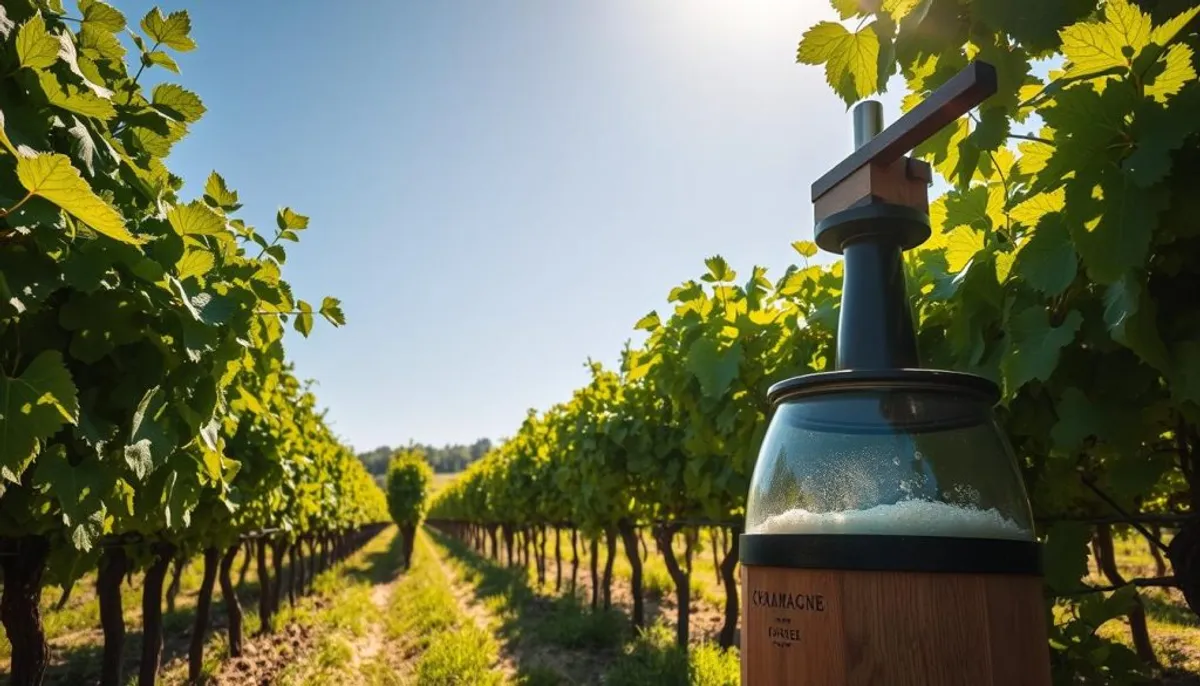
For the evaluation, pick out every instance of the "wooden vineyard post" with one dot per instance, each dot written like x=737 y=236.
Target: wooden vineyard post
x=889 y=538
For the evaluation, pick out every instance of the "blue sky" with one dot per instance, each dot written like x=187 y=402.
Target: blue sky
x=500 y=189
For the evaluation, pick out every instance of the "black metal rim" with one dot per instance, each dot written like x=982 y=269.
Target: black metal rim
x=905 y=226
x=879 y=553
x=883 y=379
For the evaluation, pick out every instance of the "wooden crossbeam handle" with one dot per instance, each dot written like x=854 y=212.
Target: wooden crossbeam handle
x=956 y=97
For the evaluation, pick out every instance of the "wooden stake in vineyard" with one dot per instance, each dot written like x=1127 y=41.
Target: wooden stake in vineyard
x=889 y=537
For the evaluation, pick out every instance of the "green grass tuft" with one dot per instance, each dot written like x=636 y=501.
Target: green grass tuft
x=462 y=657
x=653 y=659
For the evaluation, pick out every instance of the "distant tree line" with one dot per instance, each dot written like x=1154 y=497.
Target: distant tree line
x=448 y=458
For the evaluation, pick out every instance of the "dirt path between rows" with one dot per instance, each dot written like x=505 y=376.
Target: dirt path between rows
x=582 y=665
x=264 y=657
x=471 y=606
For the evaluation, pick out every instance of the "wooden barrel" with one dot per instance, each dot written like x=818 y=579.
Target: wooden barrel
x=866 y=610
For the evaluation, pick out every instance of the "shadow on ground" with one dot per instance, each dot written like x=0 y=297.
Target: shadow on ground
x=559 y=640
x=78 y=662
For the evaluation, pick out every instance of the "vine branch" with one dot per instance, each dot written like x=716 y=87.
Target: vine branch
x=1154 y=540
x=1028 y=137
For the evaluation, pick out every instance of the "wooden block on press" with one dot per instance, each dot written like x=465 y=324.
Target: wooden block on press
x=903 y=182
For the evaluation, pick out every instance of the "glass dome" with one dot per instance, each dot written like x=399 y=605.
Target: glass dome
x=916 y=452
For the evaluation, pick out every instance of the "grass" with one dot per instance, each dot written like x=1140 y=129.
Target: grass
x=1174 y=629
x=559 y=640
x=76 y=640
x=461 y=656
x=653 y=658
x=424 y=614
x=74 y=636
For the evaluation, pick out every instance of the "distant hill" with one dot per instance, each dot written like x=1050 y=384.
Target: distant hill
x=446 y=459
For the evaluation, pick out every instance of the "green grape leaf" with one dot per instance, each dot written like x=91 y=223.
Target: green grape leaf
x=1136 y=476
x=100 y=323
x=179 y=499
x=901 y=9
x=981 y=207
x=962 y=244
x=805 y=248
x=1177 y=72
x=151 y=440
x=943 y=148
x=36 y=48
x=1166 y=32
x=195 y=262
x=66 y=565
x=1031 y=210
x=331 y=310
x=97 y=43
x=195 y=219
x=650 y=322
x=250 y=401
x=1131 y=316
x=1034 y=345
x=287 y=219
x=177 y=103
x=171 y=30
x=52 y=177
x=850 y=8
x=1033 y=24
x=80 y=491
x=102 y=15
x=1119 y=238
x=82 y=145
x=1157 y=132
x=1101 y=610
x=161 y=59
x=304 y=319
x=1065 y=553
x=217 y=194
x=1092 y=47
x=718 y=270
x=1047 y=261
x=988 y=135
x=1004 y=264
x=74 y=100
x=1094 y=120
x=50 y=6
x=851 y=59
x=1035 y=154
x=713 y=367
x=1077 y=420
x=33 y=407
x=212 y=309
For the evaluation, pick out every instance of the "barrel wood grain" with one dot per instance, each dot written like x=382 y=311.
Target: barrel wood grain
x=842 y=628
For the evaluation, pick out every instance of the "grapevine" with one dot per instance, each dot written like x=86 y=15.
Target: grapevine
x=149 y=409
x=408 y=479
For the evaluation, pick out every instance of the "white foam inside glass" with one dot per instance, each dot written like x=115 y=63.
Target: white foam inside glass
x=907 y=518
